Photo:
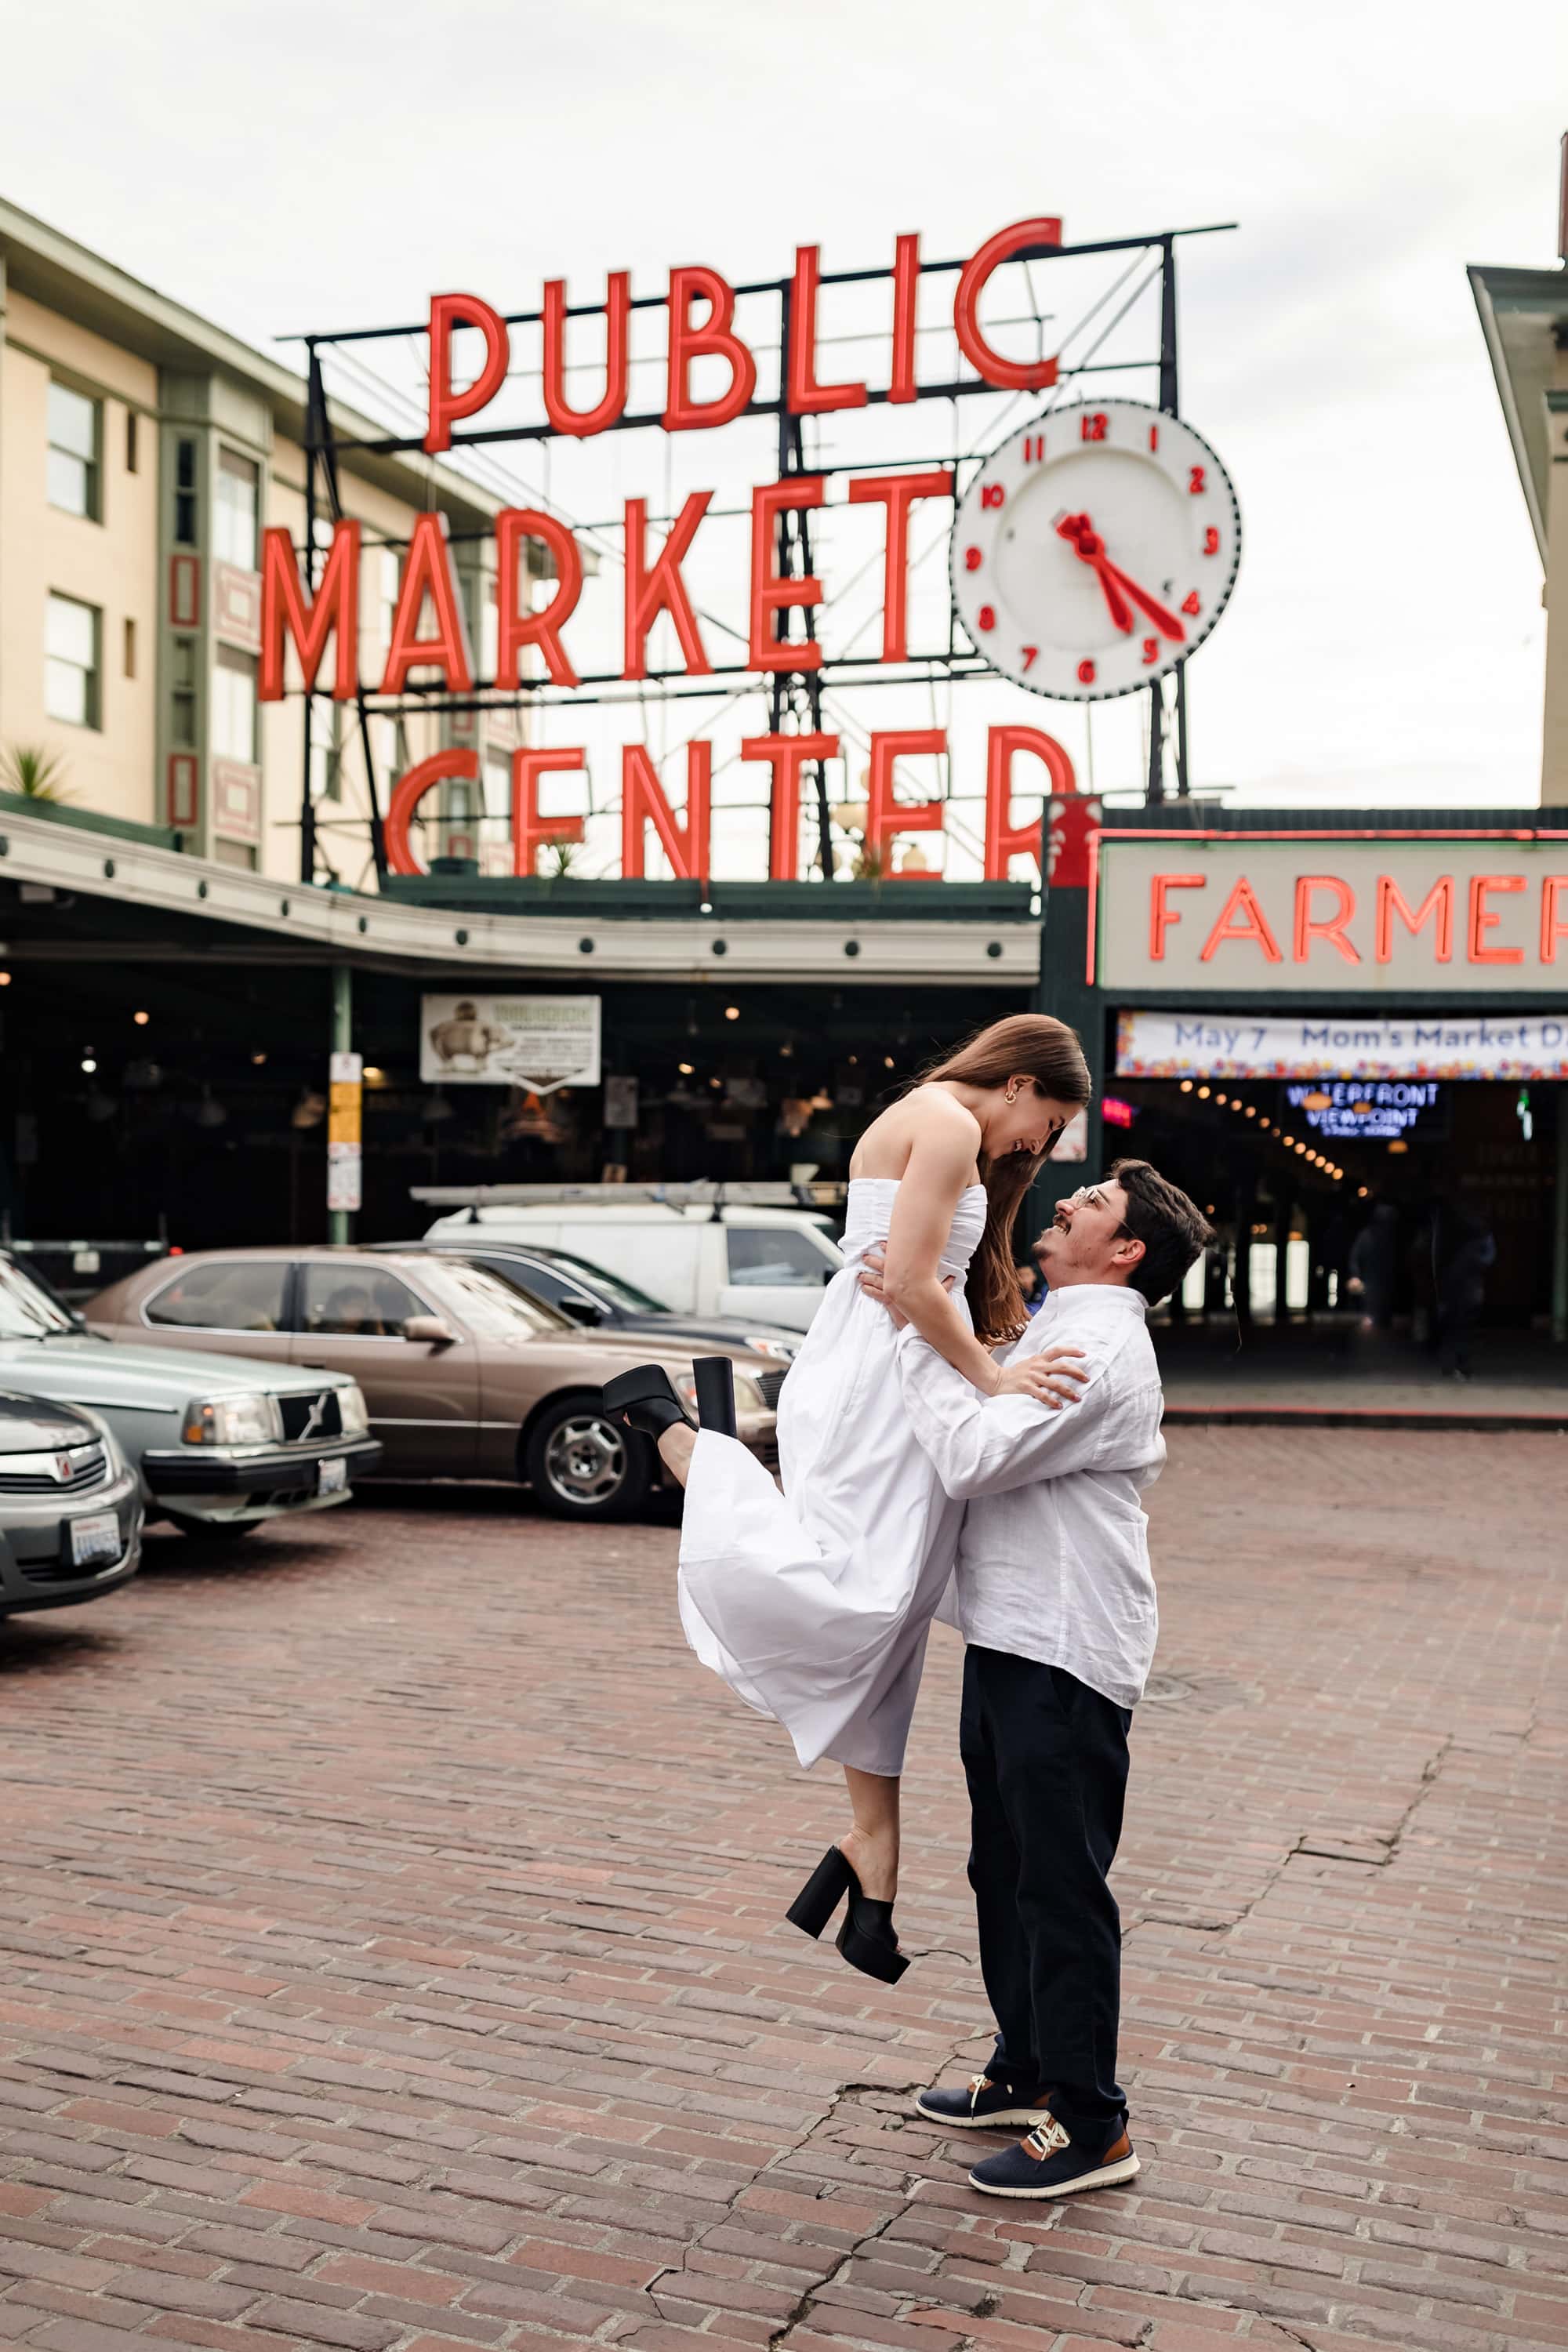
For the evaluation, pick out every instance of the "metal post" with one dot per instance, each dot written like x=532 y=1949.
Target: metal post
x=1182 y=787
x=307 y=805
x=1169 y=402
x=786 y=684
x=339 y=1221
x=1156 y=791
x=1560 y=1223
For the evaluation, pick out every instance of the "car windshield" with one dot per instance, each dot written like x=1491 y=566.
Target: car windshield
x=613 y=1287
x=491 y=1308
x=28 y=1311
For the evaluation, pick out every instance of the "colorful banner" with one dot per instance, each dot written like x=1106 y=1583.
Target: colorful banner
x=1313 y=1045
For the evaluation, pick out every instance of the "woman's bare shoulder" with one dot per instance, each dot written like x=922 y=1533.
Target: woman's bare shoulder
x=928 y=1120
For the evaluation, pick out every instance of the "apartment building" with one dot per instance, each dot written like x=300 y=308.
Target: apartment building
x=143 y=450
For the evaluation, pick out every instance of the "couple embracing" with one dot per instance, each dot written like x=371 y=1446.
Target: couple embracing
x=940 y=1452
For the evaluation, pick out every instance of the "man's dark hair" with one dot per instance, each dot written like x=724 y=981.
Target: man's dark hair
x=1173 y=1231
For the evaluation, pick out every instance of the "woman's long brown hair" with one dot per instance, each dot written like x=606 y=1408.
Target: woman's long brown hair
x=1048 y=1052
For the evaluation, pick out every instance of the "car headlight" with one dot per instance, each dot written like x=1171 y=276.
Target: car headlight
x=233 y=1420
x=352 y=1411
x=783 y=1351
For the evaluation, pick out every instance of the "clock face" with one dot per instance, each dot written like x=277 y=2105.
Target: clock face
x=1095 y=550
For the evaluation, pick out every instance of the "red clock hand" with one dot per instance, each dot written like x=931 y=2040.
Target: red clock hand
x=1164 y=621
x=1090 y=548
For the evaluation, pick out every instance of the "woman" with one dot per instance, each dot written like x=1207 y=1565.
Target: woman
x=814 y=1605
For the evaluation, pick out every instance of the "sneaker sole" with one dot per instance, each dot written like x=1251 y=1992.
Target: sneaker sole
x=1106 y=2178
x=1003 y=2120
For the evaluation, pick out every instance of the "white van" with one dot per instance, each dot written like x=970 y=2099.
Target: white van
x=769 y=1264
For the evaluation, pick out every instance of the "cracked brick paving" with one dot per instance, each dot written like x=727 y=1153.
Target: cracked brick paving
x=393 y=1956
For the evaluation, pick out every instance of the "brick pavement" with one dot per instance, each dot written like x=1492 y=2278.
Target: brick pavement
x=393 y=1956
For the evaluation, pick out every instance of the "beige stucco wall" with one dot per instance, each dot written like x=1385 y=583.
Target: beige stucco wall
x=1555 y=718
x=111 y=564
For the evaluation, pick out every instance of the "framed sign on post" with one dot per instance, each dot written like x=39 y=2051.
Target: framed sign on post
x=344 y=1161
x=541 y=1042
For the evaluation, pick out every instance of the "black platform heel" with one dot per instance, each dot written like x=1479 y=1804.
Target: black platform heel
x=715 y=1379
x=645 y=1399
x=866 y=1939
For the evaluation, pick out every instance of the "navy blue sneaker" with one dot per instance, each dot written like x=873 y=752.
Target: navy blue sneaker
x=1049 y=2164
x=984 y=2101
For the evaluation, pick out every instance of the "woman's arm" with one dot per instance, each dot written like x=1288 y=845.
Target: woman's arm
x=940 y=1158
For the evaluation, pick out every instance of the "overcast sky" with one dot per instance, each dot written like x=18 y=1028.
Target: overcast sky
x=305 y=163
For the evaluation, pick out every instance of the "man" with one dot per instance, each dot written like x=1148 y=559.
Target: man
x=1054 y=1600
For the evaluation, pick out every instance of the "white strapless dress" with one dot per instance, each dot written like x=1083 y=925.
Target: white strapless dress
x=815 y=1604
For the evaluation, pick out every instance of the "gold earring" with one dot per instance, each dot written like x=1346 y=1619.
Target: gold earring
x=1012 y=1095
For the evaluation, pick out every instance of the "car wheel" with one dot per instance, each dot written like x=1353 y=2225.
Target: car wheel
x=583 y=1465
x=227 y=1530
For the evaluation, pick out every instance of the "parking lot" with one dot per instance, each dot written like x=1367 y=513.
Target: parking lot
x=394 y=1957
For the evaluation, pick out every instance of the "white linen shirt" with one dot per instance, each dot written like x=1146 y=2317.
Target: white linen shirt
x=1052 y=1556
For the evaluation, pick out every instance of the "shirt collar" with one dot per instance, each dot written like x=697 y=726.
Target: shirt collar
x=1119 y=1296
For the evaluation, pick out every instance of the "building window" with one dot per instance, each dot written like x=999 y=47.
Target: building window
x=130 y=648
x=74 y=434
x=235 y=853
x=326 y=749
x=183 y=694
x=234 y=707
x=72 y=639
x=238 y=499
x=184 y=494
x=132 y=464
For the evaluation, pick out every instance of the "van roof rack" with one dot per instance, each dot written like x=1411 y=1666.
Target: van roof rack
x=702 y=1192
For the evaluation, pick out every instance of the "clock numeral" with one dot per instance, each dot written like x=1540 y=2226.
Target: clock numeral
x=971 y=558
x=1034 y=448
x=987 y=617
x=1091 y=426
x=1195 y=481
x=1211 y=540
x=1031 y=654
x=1153 y=436
x=1190 y=603
x=991 y=494
x=1150 y=651
x=1086 y=673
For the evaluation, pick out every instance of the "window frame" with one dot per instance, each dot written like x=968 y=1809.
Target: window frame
x=92 y=466
x=233 y=661
x=233 y=465
x=783 y=1238
x=282 y=1329
x=92 y=720
x=306 y=1266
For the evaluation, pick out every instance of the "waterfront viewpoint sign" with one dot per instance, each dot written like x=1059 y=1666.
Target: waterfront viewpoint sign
x=1332 y=915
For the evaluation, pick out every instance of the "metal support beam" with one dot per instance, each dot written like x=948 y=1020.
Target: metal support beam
x=339 y=1221
x=1560 y=1223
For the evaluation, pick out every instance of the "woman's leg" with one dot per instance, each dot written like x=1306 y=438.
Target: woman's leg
x=675 y=1450
x=872 y=1844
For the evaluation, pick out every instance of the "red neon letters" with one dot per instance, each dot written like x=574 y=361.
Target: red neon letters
x=1003 y=839
x=885 y=816
x=806 y=396
x=683 y=411
x=582 y=422
x=516 y=626
x=1010 y=376
x=427 y=574
x=309 y=621
x=657 y=587
x=446 y=406
x=530 y=830
x=686 y=845
x=1311 y=927
x=786 y=754
x=898 y=493
x=1438 y=904
x=407 y=793
x=770 y=593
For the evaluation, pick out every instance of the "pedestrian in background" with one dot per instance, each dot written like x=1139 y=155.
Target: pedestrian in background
x=1030 y=1284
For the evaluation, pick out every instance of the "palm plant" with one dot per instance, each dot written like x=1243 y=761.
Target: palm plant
x=35 y=774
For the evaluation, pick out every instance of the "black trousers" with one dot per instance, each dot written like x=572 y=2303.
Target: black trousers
x=1046 y=1759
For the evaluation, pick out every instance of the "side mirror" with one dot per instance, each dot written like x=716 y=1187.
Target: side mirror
x=587 y=1311
x=434 y=1330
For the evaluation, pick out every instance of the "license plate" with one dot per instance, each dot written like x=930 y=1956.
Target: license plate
x=95 y=1538
x=332 y=1477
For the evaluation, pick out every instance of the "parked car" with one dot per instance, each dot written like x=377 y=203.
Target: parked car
x=70 y=1505
x=219 y=1445
x=465 y=1376
x=599 y=1300
x=768 y=1262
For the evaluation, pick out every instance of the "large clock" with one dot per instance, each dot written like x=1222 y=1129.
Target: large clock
x=1095 y=550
